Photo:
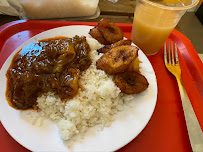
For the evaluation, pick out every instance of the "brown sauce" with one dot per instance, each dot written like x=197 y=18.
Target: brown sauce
x=47 y=65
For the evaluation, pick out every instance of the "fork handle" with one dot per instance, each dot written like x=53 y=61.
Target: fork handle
x=193 y=127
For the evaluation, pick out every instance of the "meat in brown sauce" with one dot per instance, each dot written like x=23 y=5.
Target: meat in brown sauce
x=47 y=65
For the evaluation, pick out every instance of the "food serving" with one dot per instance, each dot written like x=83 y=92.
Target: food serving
x=106 y=32
x=48 y=65
x=50 y=70
x=119 y=58
x=97 y=100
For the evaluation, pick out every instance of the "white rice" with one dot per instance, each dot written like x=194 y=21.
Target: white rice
x=97 y=101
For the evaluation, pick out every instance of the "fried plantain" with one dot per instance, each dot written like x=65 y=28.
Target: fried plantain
x=95 y=33
x=117 y=59
x=131 y=82
x=106 y=48
x=110 y=31
x=134 y=66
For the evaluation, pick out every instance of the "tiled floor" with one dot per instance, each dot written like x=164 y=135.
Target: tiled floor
x=192 y=28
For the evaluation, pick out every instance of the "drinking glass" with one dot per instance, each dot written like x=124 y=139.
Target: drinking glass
x=154 y=21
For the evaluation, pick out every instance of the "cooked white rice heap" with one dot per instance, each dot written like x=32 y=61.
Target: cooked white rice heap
x=97 y=101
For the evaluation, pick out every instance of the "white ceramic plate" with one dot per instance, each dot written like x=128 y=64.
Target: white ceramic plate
x=128 y=124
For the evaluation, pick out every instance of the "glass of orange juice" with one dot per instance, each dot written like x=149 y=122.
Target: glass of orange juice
x=155 y=20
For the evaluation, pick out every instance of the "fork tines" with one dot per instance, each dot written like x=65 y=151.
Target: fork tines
x=170 y=53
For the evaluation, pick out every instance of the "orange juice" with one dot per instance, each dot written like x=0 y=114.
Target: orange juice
x=151 y=28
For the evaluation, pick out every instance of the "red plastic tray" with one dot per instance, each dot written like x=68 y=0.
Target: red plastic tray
x=166 y=130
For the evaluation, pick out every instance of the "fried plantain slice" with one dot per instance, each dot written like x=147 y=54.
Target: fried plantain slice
x=110 y=31
x=135 y=65
x=106 y=48
x=95 y=33
x=117 y=59
x=131 y=82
